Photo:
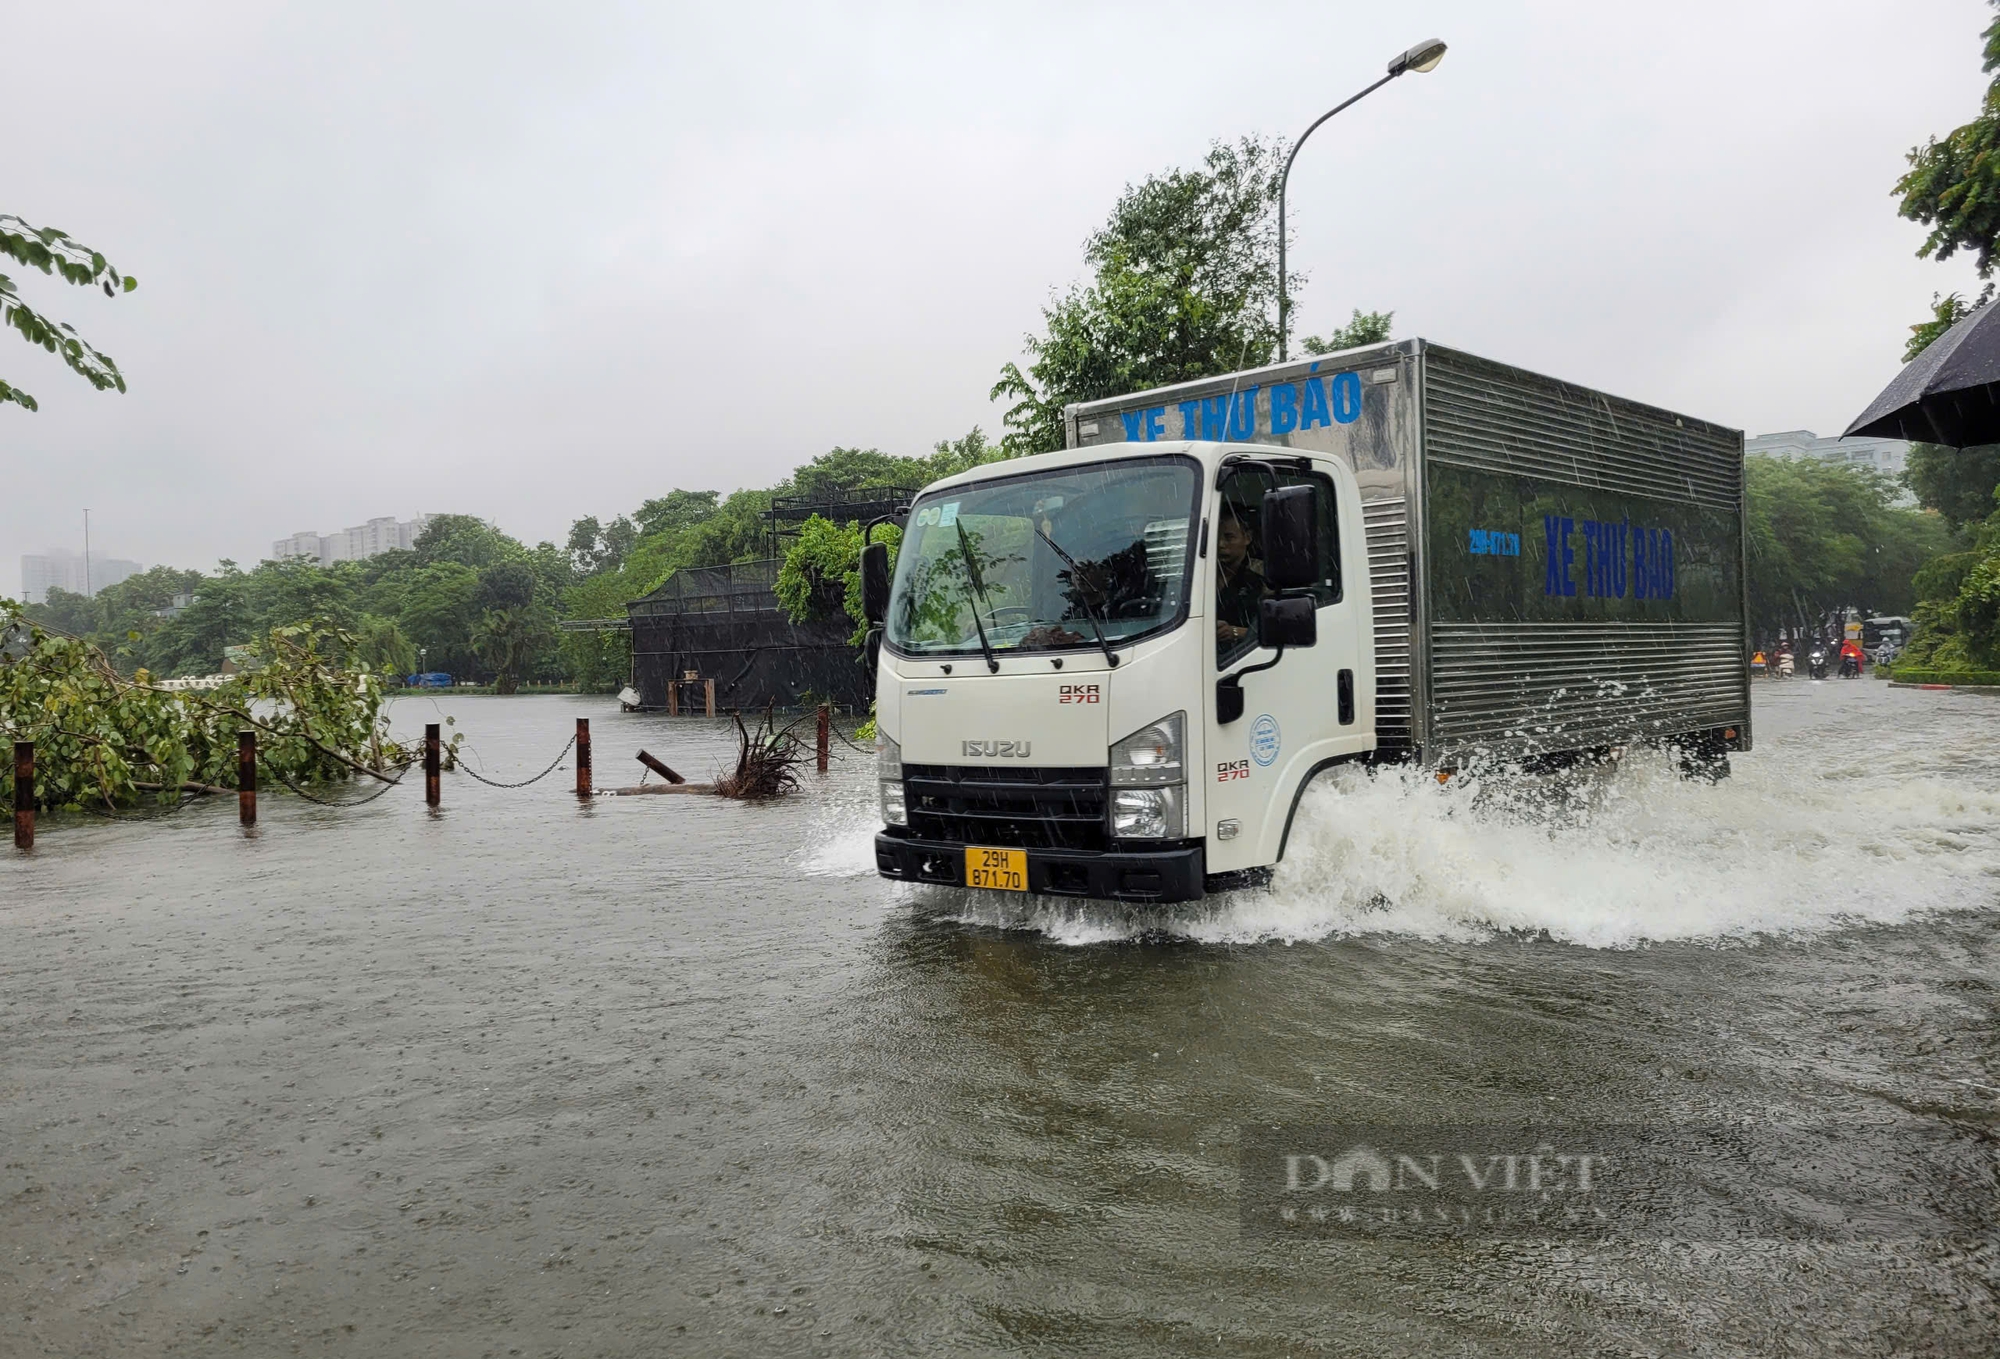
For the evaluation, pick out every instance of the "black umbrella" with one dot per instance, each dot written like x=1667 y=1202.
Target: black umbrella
x=1949 y=394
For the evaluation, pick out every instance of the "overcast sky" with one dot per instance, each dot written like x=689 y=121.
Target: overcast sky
x=533 y=262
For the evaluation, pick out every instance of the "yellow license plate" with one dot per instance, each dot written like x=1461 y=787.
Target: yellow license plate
x=1004 y=870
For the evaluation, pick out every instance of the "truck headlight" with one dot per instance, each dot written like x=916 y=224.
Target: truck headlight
x=1147 y=814
x=1152 y=756
x=889 y=771
x=1148 y=782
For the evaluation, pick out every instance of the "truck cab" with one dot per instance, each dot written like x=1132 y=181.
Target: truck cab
x=1111 y=671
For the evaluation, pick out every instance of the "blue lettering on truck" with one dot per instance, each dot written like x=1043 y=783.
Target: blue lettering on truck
x=1621 y=560
x=1293 y=407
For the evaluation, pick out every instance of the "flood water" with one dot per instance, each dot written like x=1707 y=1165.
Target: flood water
x=666 y=1075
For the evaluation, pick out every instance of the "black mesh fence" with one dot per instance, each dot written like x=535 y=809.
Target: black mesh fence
x=723 y=623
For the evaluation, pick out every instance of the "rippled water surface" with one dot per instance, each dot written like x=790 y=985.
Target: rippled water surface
x=667 y=1075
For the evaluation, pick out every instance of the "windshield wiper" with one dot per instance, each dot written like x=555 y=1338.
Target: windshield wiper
x=972 y=573
x=1082 y=592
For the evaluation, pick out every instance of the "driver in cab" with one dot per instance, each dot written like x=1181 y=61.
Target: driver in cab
x=1239 y=585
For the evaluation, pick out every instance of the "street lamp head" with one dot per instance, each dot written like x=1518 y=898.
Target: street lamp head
x=1423 y=57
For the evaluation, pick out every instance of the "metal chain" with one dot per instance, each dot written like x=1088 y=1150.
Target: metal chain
x=187 y=800
x=387 y=784
x=491 y=783
x=865 y=750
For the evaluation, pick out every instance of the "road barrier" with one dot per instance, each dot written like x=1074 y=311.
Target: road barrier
x=432 y=755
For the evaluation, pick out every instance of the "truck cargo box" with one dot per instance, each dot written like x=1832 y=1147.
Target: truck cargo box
x=1552 y=568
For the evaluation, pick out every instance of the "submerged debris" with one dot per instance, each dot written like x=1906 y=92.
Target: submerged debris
x=765 y=763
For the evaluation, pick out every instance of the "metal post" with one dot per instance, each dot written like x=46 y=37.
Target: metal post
x=246 y=776
x=823 y=724
x=24 y=795
x=708 y=688
x=1285 y=300
x=673 y=698
x=583 y=757
x=433 y=785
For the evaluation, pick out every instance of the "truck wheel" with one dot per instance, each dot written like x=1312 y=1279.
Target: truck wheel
x=1702 y=755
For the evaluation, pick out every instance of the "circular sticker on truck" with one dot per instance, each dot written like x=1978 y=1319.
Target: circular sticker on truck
x=1264 y=740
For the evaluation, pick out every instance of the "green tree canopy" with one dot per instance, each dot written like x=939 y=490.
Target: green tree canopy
x=1184 y=285
x=1367 y=327
x=507 y=585
x=1825 y=536
x=55 y=254
x=1959 y=483
x=466 y=540
x=1953 y=185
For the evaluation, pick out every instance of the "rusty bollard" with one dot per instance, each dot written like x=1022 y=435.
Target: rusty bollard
x=708 y=689
x=246 y=776
x=823 y=724
x=433 y=786
x=24 y=795
x=583 y=757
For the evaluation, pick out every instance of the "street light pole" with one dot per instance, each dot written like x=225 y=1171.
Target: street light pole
x=1423 y=57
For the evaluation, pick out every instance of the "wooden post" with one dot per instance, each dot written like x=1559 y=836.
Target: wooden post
x=823 y=723
x=433 y=785
x=24 y=795
x=658 y=768
x=246 y=776
x=708 y=688
x=673 y=698
x=583 y=757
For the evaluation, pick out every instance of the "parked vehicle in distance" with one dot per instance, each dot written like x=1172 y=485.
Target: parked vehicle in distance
x=429 y=679
x=1111 y=671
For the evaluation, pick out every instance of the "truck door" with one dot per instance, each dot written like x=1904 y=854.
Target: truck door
x=1316 y=704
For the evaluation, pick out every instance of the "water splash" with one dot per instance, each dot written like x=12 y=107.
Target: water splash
x=1604 y=859
x=1858 y=806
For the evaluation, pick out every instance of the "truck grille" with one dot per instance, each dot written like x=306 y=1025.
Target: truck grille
x=1029 y=808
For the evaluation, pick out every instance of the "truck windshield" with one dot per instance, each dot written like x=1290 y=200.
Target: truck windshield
x=972 y=558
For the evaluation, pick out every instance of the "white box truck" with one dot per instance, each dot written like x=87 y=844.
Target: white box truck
x=1111 y=671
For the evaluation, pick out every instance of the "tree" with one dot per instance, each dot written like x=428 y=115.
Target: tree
x=821 y=574
x=812 y=581
x=1185 y=286
x=439 y=613
x=54 y=253
x=586 y=537
x=466 y=540
x=1959 y=483
x=104 y=740
x=675 y=511
x=299 y=590
x=1946 y=311
x=1824 y=536
x=598 y=662
x=1953 y=187
x=1370 y=327
x=508 y=639
x=507 y=585
x=381 y=645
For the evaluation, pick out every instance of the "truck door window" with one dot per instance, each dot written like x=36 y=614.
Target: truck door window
x=978 y=557
x=1239 y=556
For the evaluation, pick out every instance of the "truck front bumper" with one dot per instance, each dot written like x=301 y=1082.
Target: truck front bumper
x=1171 y=874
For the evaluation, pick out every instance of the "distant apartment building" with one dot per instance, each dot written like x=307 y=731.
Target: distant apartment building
x=60 y=569
x=354 y=544
x=1887 y=456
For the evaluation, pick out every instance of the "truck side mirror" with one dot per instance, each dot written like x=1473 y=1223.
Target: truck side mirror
x=875 y=582
x=1292 y=621
x=1291 y=539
